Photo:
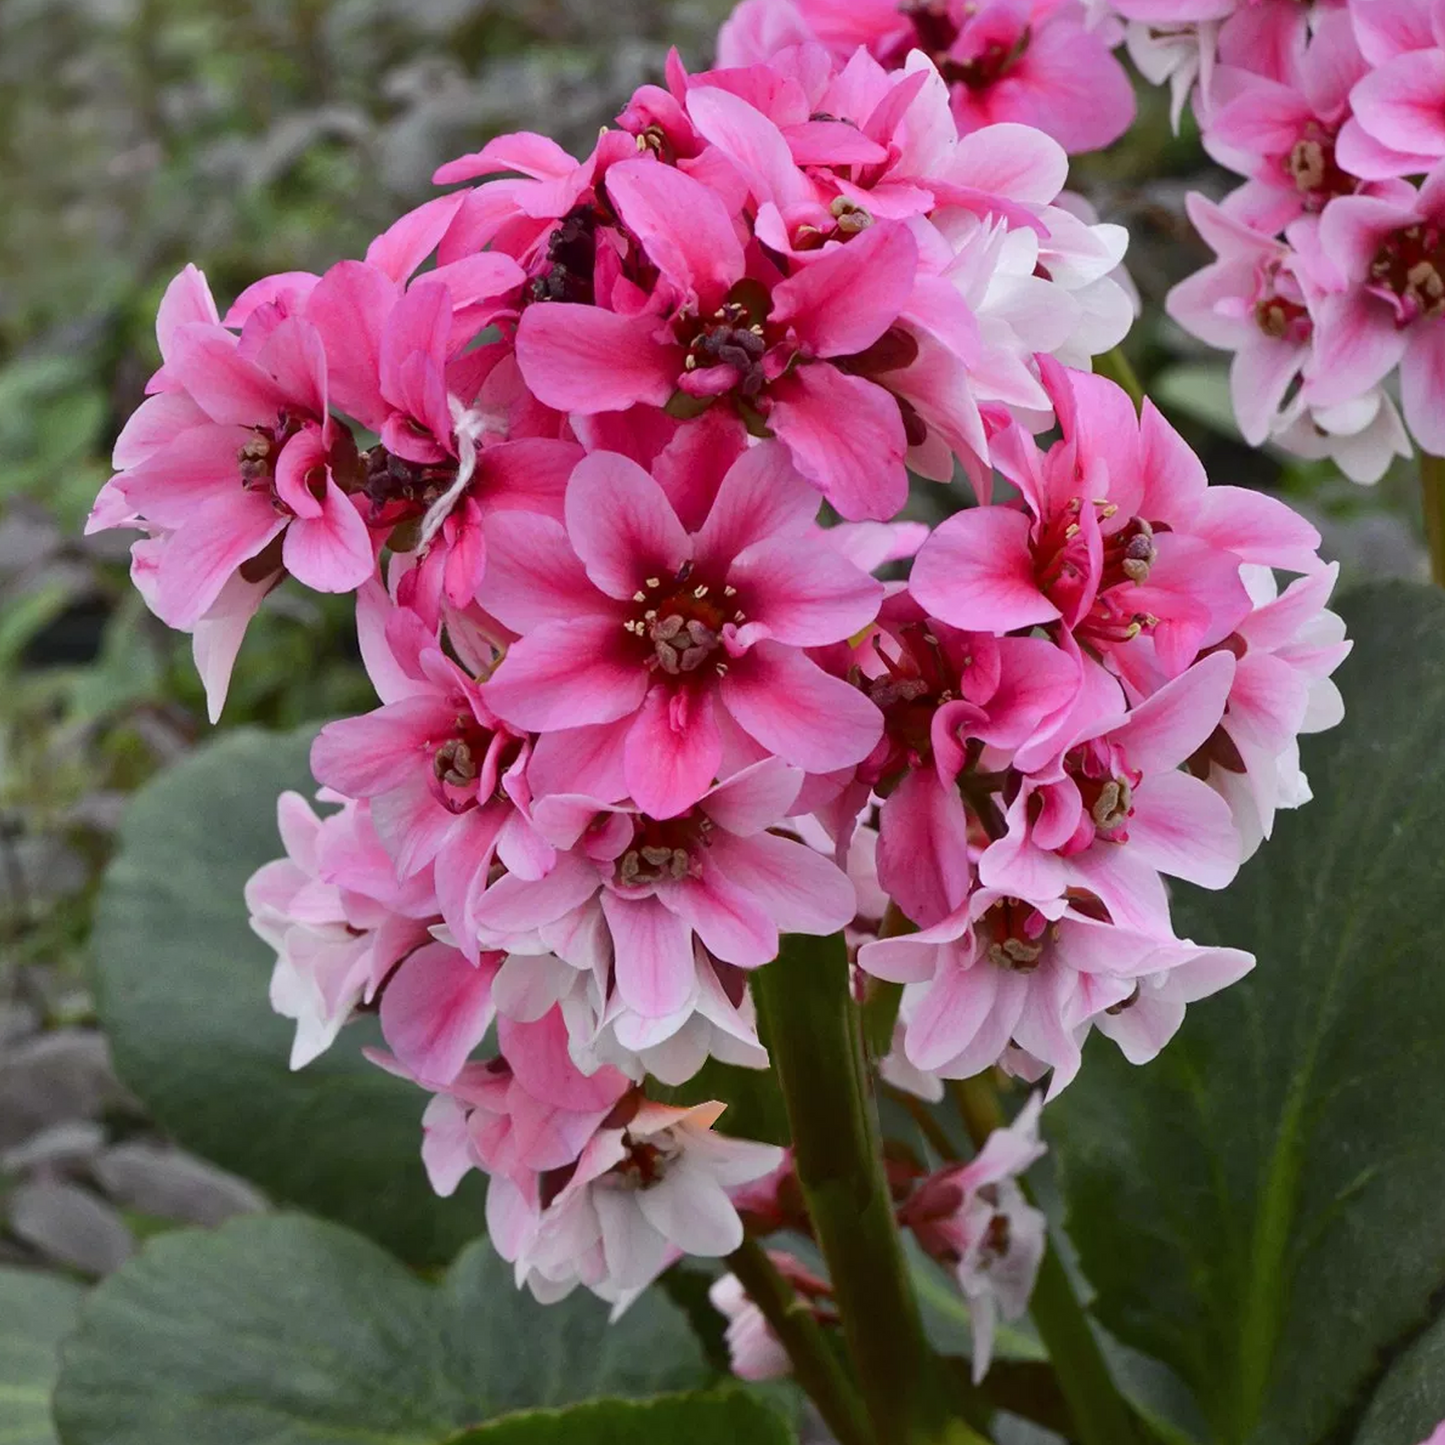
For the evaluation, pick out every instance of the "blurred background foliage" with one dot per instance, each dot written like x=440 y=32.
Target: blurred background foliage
x=264 y=135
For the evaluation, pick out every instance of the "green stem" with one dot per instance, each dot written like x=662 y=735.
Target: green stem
x=1101 y=1414
x=1118 y=368
x=1432 y=496
x=816 y=1366
x=810 y=1025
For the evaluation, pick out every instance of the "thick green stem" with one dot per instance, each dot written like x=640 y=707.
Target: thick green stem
x=1118 y=368
x=1101 y=1414
x=816 y=1366
x=1432 y=497
x=810 y=1024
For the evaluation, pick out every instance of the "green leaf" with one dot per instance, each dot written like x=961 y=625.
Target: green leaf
x=285 y=1330
x=1410 y=1401
x=1264 y=1206
x=713 y=1419
x=37 y=1311
x=1199 y=390
x=182 y=992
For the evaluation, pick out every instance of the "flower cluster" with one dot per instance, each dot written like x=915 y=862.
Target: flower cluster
x=578 y=436
x=1329 y=282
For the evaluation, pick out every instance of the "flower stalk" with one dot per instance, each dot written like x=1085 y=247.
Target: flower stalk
x=1432 y=498
x=1120 y=370
x=816 y=1366
x=811 y=1027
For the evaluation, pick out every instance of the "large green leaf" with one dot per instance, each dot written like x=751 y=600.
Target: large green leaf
x=182 y=984
x=285 y=1330
x=715 y=1419
x=37 y=1311
x=1410 y=1402
x=1264 y=1206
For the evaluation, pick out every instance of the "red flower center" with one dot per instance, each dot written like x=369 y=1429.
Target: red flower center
x=1409 y=272
x=1014 y=934
x=1311 y=165
x=681 y=620
x=664 y=850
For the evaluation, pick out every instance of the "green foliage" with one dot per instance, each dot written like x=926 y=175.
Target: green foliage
x=702 y=1419
x=1261 y=1207
x=1406 y=1408
x=36 y=1312
x=284 y=1330
x=181 y=984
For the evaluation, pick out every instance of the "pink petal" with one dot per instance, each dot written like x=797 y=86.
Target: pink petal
x=783 y=700
x=526 y=152
x=381 y=750
x=683 y=226
x=761 y=496
x=654 y=968
x=296 y=356
x=846 y=437
x=534 y=576
x=350 y=307
x=673 y=750
x=155 y=423
x=584 y=359
x=515 y=905
x=807 y=598
x=407 y=242
x=976 y=572
x=841 y=304
x=732 y=924
x=1182 y=827
x=567 y=674
x=187 y=301
x=691 y=467
x=435 y=1010
x=581 y=760
x=621 y=525
x=802 y=891
x=217 y=636
x=528 y=475
x=222 y=382
x=1170 y=726
x=966 y=1021
x=923 y=858
x=755 y=798
x=1402 y=104
x=188 y=474
x=542 y=1065
x=198 y=561
x=332 y=552
x=751 y=141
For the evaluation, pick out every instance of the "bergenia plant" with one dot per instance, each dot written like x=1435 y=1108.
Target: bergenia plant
x=700 y=764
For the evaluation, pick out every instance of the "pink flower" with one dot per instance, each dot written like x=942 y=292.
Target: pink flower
x=444 y=777
x=946 y=696
x=754 y=1351
x=676 y=648
x=1083 y=550
x=1116 y=810
x=975 y=1219
x=1282 y=133
x=1398 y=127
x=510 y=1123
x=336 y=917
x=1039 y=63
x=1002 y=971
x=629 y=892
x=1249 y=301
x=648 y=1186
x=1384 y=296
x=686 y=314
x=1286 y=650
x=234 y=462
x=1437 y=1436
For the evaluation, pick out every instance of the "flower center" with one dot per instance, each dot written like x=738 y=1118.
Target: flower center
x=1106 y=786
x=1279 y=304
x=1063 y=568
x=571 y=260
x=1407 y=272
x=467 y=765
x=664 y=850
x=681 y=621
x=733 y=337
x=1311 y=165
x=1017 y=933
x=918 y=680
x=256 y=458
